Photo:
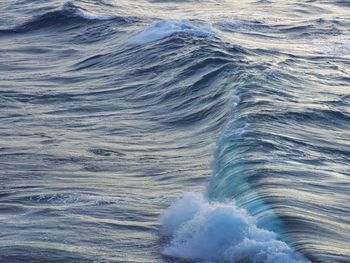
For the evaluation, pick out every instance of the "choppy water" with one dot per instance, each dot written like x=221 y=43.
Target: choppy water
x=111 y=109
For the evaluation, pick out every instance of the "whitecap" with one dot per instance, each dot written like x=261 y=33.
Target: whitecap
x=220 y=232
x=162 y=29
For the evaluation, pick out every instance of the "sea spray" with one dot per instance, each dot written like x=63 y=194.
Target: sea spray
x=207 y=231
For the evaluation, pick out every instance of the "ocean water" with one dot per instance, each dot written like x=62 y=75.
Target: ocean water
x=175 y=131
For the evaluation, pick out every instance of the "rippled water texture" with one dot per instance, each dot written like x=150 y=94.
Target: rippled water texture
x=112 y=109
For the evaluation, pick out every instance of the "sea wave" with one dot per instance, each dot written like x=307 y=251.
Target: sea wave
x=68 y=14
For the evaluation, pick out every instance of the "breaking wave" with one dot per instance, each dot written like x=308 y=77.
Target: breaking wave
x=220 y=232
x=162 y=29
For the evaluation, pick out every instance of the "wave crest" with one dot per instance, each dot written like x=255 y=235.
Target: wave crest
x=68 y=14
x=162 y=29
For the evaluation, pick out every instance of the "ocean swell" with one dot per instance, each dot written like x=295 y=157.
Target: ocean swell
x=68 y=14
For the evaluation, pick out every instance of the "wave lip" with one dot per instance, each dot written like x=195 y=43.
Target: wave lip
x=220 y=232
x=162 y=29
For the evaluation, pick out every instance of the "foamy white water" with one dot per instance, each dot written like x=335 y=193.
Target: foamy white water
x=220 y=232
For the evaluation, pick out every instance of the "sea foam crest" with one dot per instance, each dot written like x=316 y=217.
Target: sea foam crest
x=162 y=29
x=206 y=231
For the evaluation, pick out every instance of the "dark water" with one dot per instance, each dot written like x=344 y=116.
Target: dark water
x=111 y=109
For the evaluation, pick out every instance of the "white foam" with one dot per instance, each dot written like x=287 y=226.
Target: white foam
x=79 y=199
x=162 y=29
x=220 y=232
x=92 y=16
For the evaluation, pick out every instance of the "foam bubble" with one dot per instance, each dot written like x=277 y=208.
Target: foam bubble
x=220 y=232
x=162 y=29
x=78 y=199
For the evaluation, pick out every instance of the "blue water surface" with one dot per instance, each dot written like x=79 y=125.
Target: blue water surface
x=113 y=110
